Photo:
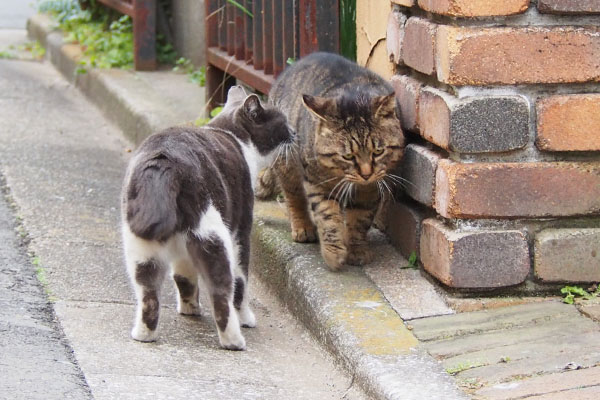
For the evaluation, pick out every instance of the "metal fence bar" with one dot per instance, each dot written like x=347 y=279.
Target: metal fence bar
x=248 y=32
x=143 y=15
x=278 y=63
x=257 y=31
x=268 y=36
x=252 y=40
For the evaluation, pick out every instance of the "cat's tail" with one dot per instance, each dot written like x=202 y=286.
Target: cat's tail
x=151 y=199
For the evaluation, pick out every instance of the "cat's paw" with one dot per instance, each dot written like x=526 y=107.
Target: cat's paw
x=304 y=233
x=187 y=308
x=232 y=340
x=359 y=255
x=247 y=318
x=334 y=256
x=141 y=333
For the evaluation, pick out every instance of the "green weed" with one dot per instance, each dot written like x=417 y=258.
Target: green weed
x=195 y=75
x=412 y=261
x=105 y=42
x=458 y=368
x=573 y=292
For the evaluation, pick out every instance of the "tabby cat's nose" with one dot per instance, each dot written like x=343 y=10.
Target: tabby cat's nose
x=365 y=170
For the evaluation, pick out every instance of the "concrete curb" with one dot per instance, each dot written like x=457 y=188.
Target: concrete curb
x=345 y=311
x=130 y=102
x=348 y=314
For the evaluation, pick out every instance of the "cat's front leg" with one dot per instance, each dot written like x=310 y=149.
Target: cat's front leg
x=358 y=222
x=330 y=224
x=290 y=179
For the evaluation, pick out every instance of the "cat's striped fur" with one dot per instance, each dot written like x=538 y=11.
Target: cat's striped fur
x=351 y=141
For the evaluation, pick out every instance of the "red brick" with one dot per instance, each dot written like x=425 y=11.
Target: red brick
x=569 y=123
x=407 y=92
x=395 y=35
x=405 y=3
x=508 y=190
x=474 y=8
x=474 y=259
x=569 y=6
x=567 y=255
x=477 y=124
x=404 y=226
x=419 y=165
x=509 y=55
x=419 y=45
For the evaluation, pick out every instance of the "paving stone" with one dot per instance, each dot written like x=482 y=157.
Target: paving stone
x=553 y=384
x=432 y=329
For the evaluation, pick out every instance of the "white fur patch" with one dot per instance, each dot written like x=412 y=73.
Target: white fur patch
x=253 y=159
x=211 y=223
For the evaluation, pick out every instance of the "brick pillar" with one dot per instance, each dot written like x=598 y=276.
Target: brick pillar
x=503 y=102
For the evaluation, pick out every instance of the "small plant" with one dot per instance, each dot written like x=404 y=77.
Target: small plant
x=458 y=368
x=241 y=7
x=412 y=261
x=573 y=292
x=201 y=121
x=195 y=75
x=35 y=48
x=6 y=54
x=106 y=42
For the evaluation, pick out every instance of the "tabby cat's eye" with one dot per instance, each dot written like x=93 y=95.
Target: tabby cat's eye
x=378 y=151
x=348 y=156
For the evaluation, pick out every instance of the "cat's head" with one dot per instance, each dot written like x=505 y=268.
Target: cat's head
x=266 y=127
x=358 y=136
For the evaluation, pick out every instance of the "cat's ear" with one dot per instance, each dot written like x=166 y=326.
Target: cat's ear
x=322 y=107
x=384 y=106
x=252 y=107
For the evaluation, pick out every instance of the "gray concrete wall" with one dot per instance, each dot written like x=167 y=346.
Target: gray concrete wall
x=188 y=29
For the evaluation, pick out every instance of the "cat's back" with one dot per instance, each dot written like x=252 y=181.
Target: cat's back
x=192 y=147
x=320 y=74
x=176 y=174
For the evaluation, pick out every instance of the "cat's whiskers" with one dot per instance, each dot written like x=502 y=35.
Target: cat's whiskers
x=399 y=180
x=337 y=186
x=387 y=187
x=380 y=189
x=326 y=180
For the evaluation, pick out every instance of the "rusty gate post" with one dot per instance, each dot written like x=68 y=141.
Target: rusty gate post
x=144 y=34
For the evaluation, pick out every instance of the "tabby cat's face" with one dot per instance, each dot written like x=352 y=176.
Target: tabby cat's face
x=358 y=137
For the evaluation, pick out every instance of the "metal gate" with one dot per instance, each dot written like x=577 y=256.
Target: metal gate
x=252 y=40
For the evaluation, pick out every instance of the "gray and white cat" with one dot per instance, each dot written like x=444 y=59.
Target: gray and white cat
x=187 y=208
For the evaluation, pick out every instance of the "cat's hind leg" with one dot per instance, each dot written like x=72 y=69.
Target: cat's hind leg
x=146 y=273
x=185 y=275
x=241 y=300
x=211 y=248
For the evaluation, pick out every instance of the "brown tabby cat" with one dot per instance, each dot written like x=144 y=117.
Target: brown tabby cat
x=350 y=140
